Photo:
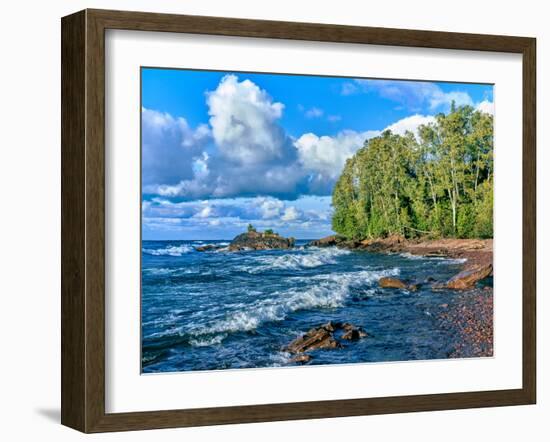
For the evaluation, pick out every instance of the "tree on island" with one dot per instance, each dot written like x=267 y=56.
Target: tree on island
x=440 y=184
x=269 y=232
x=250 y=228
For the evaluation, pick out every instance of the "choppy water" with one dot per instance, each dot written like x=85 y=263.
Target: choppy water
x=220 y=310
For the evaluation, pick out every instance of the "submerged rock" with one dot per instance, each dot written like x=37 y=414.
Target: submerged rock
x=260 y=241
x=468 y=278
x=395 y=283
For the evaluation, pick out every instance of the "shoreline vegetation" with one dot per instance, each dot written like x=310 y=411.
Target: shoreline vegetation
x=438 y=183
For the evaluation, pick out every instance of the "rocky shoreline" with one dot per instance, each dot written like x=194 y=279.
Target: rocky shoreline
x=472 y=316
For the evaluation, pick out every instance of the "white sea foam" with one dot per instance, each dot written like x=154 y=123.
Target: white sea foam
x=440 y=259
x=326 y=291
x=453 y=260
x=313 y=257
x=411 y=256
x=169 y=250
x=280 y=359
x=206 y=342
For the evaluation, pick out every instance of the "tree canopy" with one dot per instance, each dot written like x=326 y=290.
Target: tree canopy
x=438 y=183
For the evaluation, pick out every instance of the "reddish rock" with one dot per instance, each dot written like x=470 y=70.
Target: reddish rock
x=468 y=278
x=314 y=339
x=391 y=283
x=323 y=337
x=395 y=283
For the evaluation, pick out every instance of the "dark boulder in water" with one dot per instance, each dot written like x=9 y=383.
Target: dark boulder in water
x=315 y=339
x=328 y=241
x=208 y=248
x=323 y=337
x=260 y=241
x=353 y=333
x=336 y=241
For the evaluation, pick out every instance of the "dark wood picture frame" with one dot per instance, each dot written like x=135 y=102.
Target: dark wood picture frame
x=83 y=220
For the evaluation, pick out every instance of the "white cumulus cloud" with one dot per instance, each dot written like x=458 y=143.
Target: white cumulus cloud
x=486 y=106
x=169 y=146
x=410 y=124
x=244 y=122
x=290 y=214
x=328 y=154
x=270 y=207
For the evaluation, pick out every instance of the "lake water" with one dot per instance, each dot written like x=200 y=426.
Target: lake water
x=227 y=310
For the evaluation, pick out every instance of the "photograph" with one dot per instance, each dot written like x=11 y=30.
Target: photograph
x=295 y=220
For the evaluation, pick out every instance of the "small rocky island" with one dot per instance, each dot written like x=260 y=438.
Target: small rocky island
x=254 y=240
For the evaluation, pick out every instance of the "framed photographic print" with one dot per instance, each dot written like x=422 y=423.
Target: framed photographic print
x=267 y=221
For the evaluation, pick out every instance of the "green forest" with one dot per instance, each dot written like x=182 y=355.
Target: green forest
x=437 y=184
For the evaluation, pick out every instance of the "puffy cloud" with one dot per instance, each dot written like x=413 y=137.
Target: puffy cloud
x=290 y=214
x=414 y=95
x=250 y=154
x=169 y=146
x=270 y=207
x=244 y=123
x=205 y=212
x=327 y=155
x=486 y=106
x=247 y=153
x=410 y=124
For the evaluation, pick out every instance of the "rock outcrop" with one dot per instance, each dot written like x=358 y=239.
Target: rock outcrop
x=353 y=333
x=323 y=337
x=468 y=278
x=314 y=339
x=328 y=241
x=208 y=248
x=395 y=283
x=335 y=241
x=260 y=241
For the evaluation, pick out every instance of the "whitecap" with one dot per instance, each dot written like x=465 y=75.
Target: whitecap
x=169 y=250
x=411 y=256
x=207 y=341
x=440 y=259
x=328 y=291
x=313 y=257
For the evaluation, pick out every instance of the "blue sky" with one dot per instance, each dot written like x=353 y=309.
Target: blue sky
x=224 y=149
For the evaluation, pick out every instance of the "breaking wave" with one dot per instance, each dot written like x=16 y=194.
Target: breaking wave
x=328 y=291
x=169 y=250
x=313 y=257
